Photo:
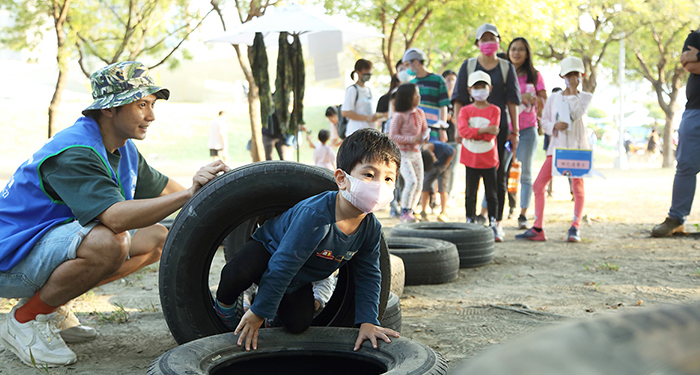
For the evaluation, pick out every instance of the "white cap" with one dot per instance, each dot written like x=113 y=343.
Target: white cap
x=414 y=54
x=478 y=76
x=486 y=28
x=571 y=64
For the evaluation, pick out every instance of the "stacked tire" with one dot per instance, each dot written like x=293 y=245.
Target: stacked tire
x=426 y=260
x=474 y=242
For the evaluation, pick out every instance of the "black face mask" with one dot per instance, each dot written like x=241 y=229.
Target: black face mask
x=366 y=77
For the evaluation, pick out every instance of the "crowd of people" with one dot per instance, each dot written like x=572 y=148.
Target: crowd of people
x=486 y=116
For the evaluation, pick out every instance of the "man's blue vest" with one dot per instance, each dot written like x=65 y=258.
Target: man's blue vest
x=27 y=212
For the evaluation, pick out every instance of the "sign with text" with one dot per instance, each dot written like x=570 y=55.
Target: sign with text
x=572 y=162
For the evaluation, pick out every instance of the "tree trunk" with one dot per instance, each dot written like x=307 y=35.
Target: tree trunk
x=257 y=152
x=60 y=12
x=667 y=149
x=56 y=99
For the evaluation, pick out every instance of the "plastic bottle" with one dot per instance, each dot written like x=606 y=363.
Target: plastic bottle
x=514 y=177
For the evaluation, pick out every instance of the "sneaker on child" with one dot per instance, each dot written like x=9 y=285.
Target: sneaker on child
x=532 y=235
x=522 y=222
x=36 y=342
x=230 y=316
x=574 y=234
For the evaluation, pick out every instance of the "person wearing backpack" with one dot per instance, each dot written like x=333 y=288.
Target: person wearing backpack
x=357 y=107
x=505 y=94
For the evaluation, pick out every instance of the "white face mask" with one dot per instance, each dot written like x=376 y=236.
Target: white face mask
x=480 y=94
x=367 y=196
x=404 y=76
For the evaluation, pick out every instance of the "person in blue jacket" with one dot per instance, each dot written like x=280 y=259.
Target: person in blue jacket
x=83 y=211
x=313 y=239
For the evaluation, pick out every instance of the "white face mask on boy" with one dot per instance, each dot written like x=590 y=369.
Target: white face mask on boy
x=480 y=94
x=367 y=196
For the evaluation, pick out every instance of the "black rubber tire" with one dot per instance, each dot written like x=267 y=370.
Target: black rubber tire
x=661 y=340
x=398 y=274
x=233 y=203
x=392 y=315
x=216 y=354
x=426 y=260
x=475 y=242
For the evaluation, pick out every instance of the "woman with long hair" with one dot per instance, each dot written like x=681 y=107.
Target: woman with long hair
x=533 y=95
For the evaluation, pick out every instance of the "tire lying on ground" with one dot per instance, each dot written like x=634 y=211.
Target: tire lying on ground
x=398 y=274
x=319 y=350
x=475 y=242
x=662 y=340
x=426 y=260
x=233 y=205
x=392 y=315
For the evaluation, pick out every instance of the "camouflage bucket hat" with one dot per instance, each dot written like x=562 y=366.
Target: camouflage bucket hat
x=122 y=83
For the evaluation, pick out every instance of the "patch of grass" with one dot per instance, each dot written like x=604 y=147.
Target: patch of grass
x=594 y=284
x=118 y=316
x=44 y=369
x=609 y=266
x=151 y=308
x=88 y=296
x=696 y=273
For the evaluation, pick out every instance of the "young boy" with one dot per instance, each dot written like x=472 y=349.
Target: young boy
x=324 y=156
x=442 y=155
x=478 y=126
x=311 y=240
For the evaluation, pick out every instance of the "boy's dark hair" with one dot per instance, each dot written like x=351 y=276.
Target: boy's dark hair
x=404 y=97
x=330 y=111
x=323 y=135
x=367 y=145
x=448 y=72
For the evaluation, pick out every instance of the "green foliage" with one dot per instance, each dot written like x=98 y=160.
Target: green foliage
x=31 y=21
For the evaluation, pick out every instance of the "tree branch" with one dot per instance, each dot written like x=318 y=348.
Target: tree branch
x=183 y=39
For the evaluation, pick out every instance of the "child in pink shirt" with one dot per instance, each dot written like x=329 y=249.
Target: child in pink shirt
x=408 y=129
x=478 y=126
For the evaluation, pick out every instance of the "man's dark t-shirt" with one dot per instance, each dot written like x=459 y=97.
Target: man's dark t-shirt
x=692 y=89
x=79 y=178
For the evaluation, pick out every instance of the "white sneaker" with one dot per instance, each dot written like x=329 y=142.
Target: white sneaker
x=69 y=326
x=499 y=234
x=36 y=338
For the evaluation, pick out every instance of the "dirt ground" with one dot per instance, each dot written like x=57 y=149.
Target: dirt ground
x=529 y=286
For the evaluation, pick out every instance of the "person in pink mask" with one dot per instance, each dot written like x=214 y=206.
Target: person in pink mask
x=505 y=94
x=312 y=240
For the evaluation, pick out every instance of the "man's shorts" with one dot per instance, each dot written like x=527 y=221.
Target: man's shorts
x=442 y=174
x=56 y=247
x=214 y=152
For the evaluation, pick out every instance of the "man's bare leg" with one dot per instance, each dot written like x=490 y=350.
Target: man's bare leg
x=99 y=255
x=146 y=248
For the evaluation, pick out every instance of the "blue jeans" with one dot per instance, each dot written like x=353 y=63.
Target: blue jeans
x=55 y=247
x=688 y=158
x=526 y=154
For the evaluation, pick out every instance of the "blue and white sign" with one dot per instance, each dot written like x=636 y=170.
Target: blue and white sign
x=571 y=162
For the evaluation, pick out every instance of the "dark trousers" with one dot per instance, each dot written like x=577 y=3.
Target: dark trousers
x=473 y=177
x=247 y=266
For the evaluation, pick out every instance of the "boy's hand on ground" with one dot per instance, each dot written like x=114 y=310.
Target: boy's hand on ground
x=248 y=329
x=206 y=174
x=369 y=331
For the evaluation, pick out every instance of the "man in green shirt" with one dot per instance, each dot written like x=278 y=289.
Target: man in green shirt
x=84 y=211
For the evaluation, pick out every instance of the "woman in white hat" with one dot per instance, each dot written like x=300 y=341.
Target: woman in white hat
x=565 y=133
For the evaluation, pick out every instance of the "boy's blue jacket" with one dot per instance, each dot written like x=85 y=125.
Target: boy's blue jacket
x=306 y=245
